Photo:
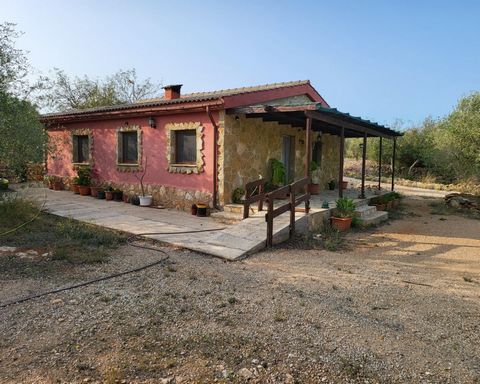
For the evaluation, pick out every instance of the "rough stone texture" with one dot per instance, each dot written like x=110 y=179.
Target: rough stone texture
x=248 y=145
x=464 y=201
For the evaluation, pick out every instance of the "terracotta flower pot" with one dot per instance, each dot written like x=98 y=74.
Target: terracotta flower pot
x=118 y=195
x=341 y=223
x=314 y=189
x=381 y=207
x=126 y=198
x=389 y=204
x=57 y=185
x=75 y=189
x=396 y=203
x=94 y=191
x=108 y=195
x=84 y=190
x=344 y=184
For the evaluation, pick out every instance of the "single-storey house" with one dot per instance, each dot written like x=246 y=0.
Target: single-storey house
x=200 y=147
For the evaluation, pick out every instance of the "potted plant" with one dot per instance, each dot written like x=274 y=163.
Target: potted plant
x=343 y=214
x=84 y=180
x=117 y=195
x=75 y=186
x=314 y=186
x=344 y=184
x=126 y=198
x=57 y=183
x=100 y=193
x=135 y=200
x=278 y=173
x=331 y=185
x=379 y=202
x=145 y=200
x=109 y=192
x=94 y=190
x=238 y=195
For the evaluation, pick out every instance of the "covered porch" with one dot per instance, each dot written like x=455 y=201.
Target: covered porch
x=313 y=117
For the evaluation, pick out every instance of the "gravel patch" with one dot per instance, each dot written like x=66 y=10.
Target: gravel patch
x=285 y=315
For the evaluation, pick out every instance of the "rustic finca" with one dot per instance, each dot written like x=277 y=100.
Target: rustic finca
x=202 y=146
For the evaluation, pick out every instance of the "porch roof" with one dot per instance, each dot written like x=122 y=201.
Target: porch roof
x=327 y=120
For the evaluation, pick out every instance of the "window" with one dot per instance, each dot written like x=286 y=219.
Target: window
x=81 y=149
x=128 y=147
x=186 y=146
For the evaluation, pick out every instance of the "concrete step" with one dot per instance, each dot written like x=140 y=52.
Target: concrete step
x=227 y=217
x=365 y=210
x=374 y=218
x=361 y=203
x=233 y=208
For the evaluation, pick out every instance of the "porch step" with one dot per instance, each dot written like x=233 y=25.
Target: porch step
x=238 y=208
x=374 y=218
x=365 y=210
x=227 y=217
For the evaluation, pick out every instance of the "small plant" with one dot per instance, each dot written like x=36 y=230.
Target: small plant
x=331 y=239
x=278 y=172
x=84 y=176
x=313 y=172
x=238 y=195
x=331 y=185
x=345 y=208
x=3 y=184
x=141 y=177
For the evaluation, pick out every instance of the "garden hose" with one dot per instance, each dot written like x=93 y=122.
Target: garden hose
x=112 y=276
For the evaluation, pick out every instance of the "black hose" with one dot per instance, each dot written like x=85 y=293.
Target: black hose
x=130 y=240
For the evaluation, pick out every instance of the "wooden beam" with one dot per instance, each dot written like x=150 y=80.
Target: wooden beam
x=308 y=146
x=348 y=125
x=340 y=168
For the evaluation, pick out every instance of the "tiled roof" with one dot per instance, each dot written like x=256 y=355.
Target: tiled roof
x=190 y=97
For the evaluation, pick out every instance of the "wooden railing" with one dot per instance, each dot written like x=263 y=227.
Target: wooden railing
x=254 y=192
x=295 y=199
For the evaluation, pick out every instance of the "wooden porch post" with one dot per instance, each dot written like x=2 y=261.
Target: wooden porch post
x=308 y=146
x=380 y=165
x=364 y=157
x=340 y=168
x=393 y=161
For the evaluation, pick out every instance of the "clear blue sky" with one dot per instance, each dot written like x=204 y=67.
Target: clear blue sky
x=382 y=60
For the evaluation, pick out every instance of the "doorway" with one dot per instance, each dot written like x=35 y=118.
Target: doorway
x=288 y=157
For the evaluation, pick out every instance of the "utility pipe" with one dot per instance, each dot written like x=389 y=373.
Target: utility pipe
x=215 y=156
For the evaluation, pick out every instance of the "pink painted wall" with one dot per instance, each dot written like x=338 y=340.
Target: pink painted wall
x=154 y=147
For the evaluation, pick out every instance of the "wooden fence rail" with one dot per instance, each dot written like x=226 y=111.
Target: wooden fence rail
x=292 y=192
x=254 y=192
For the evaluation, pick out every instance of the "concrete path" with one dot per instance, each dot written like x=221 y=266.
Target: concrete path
x=231 y=243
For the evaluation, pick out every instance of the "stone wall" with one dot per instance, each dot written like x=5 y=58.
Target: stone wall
x=248 y=145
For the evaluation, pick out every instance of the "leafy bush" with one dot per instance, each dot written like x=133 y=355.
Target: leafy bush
x=84 y=175
x=238 y=195
x=278 y=172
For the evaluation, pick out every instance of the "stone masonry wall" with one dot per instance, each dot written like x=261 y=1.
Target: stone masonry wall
x=248 y=145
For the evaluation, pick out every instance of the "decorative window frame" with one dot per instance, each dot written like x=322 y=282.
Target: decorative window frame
x=196 y=168
x=129 y=167
x=83 y=132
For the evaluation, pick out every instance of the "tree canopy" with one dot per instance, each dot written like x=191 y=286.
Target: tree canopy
x=62 y=92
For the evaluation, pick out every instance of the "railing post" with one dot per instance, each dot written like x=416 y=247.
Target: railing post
x=269 y=221
x=261 y=187
x=292 y=211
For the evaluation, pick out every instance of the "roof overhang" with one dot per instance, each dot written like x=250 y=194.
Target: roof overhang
x=327 y=120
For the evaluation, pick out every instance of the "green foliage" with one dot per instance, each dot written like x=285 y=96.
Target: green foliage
x=62 y=92
x=345 y=207
x=331 y=239
x=3 y=184
x=13 y=62
x=23 y=138
x=237 y=195
x=278 y=172
x=332 y=184
x=84 y=175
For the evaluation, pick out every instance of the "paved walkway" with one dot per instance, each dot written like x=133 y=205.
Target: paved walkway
x=231 y=243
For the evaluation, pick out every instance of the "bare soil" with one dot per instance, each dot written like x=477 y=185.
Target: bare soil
x=402 y=304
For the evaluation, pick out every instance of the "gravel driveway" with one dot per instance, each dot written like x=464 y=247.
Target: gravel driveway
x=401 y=305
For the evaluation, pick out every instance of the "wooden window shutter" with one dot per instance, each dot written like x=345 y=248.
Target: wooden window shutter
x=120 y=148
x=75 y=149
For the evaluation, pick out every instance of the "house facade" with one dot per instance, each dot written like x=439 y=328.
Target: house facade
x=199 y=147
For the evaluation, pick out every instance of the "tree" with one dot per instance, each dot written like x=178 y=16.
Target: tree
x=14 y=65
x=62 y=92
x=23 y=136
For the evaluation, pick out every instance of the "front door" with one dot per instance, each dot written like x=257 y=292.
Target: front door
x=288 y=157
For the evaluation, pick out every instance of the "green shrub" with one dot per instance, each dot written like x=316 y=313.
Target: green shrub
x=278 y=172
x=238 y=195
x=84 y=175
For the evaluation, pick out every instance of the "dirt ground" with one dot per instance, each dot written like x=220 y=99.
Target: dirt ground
x=402 y=305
